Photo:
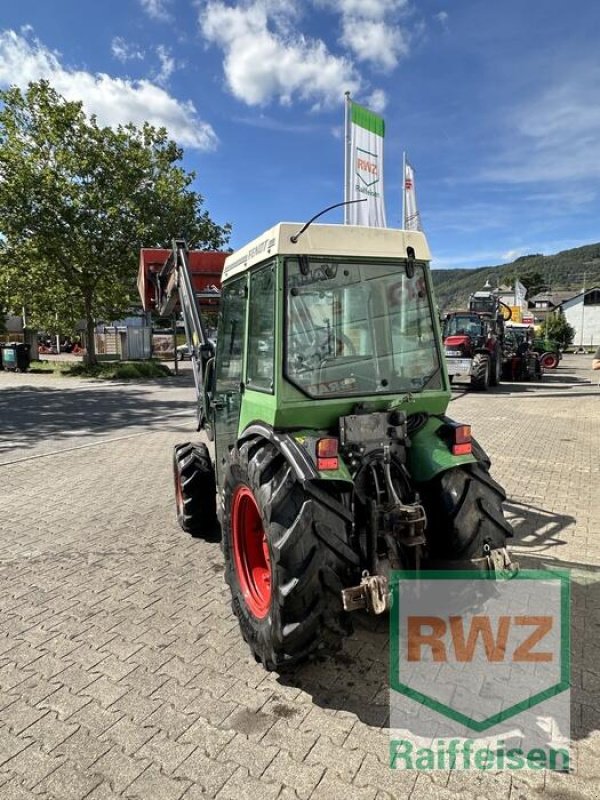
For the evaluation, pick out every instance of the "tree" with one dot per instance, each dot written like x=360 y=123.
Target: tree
x=78 y=201
x=555 y=327
x=533 y=281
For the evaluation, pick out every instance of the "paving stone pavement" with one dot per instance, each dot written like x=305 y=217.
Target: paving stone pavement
x=122 y=672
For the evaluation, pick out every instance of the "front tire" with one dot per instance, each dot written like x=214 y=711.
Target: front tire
x=195 y=490
x=465 y=519
x=480 y=372
x=287 y=559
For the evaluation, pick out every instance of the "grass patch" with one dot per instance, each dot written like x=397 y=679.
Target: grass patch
x=109 y=370
x=46 y=367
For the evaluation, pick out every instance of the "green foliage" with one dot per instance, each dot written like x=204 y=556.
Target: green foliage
x=111 y=370
x=556 y=328
x=78 y=201
x=533 y=281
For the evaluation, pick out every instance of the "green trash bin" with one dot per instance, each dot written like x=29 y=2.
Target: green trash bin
x=15 y=356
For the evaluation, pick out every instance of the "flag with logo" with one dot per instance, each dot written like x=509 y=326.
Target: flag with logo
x=412 y=218
x=520 y=292
x=364 y=167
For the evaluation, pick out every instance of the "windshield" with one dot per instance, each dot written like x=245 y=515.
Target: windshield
x=467 y=324
x=359 y=329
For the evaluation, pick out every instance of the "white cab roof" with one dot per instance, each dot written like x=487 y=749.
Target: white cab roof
x=327 y=240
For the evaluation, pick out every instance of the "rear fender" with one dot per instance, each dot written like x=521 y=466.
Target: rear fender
x=429 y=454
x=290 y=445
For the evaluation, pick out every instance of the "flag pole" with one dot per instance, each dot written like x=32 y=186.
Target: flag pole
x=403 y=225
x=346 y=155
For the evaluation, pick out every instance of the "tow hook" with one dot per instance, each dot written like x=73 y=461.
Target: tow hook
x=498 y=562
x=372 y=595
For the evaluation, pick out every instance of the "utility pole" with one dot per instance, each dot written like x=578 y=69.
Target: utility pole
x=582 y=311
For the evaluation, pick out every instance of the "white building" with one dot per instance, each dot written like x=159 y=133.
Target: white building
x=583 y=312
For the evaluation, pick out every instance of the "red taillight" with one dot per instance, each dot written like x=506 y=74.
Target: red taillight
x=327 y=454
x=461 y=449
x=461 y=440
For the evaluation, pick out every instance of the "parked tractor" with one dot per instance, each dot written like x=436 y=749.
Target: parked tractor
x=474 y=340
x=334 y=461
x=549 y=351
x=521 y=360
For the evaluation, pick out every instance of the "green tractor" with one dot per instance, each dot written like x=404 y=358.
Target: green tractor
x=334 y=461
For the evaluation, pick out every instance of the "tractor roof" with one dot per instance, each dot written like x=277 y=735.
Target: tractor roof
x=327 y=240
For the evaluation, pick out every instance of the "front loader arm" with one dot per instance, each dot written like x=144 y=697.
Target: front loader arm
x=173 y=286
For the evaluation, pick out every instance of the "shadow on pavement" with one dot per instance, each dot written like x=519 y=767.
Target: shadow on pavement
x=30 y=414
x=534 y=526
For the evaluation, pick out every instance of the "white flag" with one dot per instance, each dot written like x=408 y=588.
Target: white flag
x=520 y=292
x=412 y=218
x=364 y=167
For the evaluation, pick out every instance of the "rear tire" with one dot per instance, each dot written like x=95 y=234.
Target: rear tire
x=308 y=554
x=480 y=372
x=549 y=360
x=465 y=519
x=195 y=490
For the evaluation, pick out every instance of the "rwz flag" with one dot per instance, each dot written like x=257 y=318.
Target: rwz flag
x=364 y=167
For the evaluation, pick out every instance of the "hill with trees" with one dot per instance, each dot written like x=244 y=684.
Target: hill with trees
x=569 y=269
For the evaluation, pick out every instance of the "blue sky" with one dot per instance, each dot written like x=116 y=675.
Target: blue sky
x=496 y=104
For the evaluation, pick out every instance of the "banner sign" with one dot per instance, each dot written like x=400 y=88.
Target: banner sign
x=364 y=167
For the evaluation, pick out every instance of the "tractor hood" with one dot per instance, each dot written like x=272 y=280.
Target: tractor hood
x=457 y=341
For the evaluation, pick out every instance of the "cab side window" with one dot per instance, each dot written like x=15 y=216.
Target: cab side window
x=261 y=330
x=230 y=338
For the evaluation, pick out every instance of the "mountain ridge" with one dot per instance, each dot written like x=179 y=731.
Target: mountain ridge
x=566 y=270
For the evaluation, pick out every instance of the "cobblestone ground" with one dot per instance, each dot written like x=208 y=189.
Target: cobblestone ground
x=122 y=672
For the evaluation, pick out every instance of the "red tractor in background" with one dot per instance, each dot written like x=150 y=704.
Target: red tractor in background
x=474 y=340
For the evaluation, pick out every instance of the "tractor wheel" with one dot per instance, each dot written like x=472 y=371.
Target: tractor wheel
x=195 y=490
x=549 y=360
x=480 y=372
x=465 y=520
x=287 y=559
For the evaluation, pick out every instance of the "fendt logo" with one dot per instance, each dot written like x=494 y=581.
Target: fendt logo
x=466 y=632
x=472 y=654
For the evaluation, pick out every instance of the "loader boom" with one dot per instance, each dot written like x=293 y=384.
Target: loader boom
x=181 y=281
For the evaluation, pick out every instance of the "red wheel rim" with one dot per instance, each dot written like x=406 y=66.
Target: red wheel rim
x=251 y=553
x=549 y=362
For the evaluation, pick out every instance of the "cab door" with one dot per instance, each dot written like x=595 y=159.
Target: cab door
x=227 y=395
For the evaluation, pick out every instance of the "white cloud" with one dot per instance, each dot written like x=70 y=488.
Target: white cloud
x=369 y=9
x=442 y=18
x=168 y=65
x=377 y=101
x=371 y=30
x=125 y=51
x=157 y=9
x=471 y=259
x=554 y=136
x=375 y=42
x=510 y=255
x=114 y=100
x=264 y=58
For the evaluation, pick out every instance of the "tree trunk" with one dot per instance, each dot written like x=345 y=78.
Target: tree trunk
x=90 y=327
